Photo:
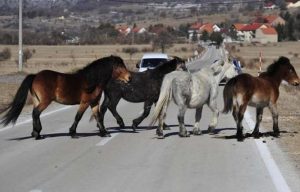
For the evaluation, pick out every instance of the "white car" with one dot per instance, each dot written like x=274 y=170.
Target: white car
x=151 y=60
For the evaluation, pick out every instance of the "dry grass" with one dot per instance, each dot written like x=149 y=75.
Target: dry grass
x=67 y=58
x=288 y=102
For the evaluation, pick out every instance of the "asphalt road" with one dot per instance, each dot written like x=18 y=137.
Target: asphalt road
x=135 y=162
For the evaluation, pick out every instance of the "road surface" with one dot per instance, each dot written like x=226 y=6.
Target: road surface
x=135 y=162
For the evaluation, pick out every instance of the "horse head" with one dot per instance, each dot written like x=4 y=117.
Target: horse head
x=217 y=67
x=120 y=71
x=231 y=70
x=180 y=63
x=289 y=73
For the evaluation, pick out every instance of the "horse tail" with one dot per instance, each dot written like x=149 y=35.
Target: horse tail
x=16 y=106
x=228 y=95
x=165 y=97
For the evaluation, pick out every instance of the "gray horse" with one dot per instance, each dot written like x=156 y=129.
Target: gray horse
x=192 y=91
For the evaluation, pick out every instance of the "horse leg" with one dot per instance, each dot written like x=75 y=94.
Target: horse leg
x=137 y=121
x=102 y=112
x=182 y=130
x=113 y=109
x=240 y=117
x=214 y=120
x=273 y=109
x=161 y=122
x=196 y=130
x=80 y=112
x=259 y=114
x=95 y=110
x=36 y=122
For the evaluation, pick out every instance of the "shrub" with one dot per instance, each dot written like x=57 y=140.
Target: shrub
x=27 y=54
x=5 y=54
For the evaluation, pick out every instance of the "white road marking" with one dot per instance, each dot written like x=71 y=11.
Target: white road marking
x=30 y=119
x=36 y=190
x=264 y=152
x=107 y=139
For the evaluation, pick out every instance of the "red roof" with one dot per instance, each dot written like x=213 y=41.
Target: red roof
x=207 y=27
x=251 y=27
x=239 y=26
x=266 y=19
x=270 y=18
x=269 y=31
x=196 y=26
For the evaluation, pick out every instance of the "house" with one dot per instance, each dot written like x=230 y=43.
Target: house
x=272 y=20
x=266 y=35
x=270 y=5
x=139 y=30
x=123 y=29
x=248 y=31
x=198 y=28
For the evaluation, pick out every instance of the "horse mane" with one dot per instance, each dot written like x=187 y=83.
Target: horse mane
x=272 y=69
x=167 y=66
x=99 y=71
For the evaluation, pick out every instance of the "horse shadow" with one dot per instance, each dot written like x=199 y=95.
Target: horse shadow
x=204 y=132
x=112 y=130
x=260 y=135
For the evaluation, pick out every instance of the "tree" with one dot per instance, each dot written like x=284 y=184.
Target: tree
x=204 y=36
x=216 y=37
x=163 y=41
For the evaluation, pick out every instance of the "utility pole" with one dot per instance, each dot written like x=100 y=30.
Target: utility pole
x=20 y=37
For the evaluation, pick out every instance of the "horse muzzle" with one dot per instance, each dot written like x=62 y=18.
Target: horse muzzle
x=295 y=83
x=126 y=78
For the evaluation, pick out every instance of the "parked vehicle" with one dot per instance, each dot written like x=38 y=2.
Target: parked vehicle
x=151 y=60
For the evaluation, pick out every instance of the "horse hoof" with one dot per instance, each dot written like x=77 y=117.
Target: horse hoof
x=39 y=137
x=187 y=134
x=160 y=137
x=211 y=130
x=256 y=135
x=36 y=135
x=104 y=134
x=197 y=132
x=276 y=134
x=74 y=136
x=166 y=127
x=240 y=138
x=134 y=127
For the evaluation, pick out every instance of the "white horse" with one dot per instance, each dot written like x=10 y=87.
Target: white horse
x=192 y=91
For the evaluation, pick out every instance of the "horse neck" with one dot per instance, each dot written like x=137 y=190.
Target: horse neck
x=164 y=69
x=275 y=78
x=221 y=75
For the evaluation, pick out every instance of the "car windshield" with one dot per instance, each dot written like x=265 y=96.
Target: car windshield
x=152 y=62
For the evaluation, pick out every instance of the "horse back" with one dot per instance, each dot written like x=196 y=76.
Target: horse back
x=254 y=89
x=64 y=88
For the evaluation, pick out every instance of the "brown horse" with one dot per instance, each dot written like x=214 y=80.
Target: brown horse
x=260 y=92
x=84 y=87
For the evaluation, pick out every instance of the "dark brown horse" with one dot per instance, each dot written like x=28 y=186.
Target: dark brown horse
x=84 y=87
x=260 y=92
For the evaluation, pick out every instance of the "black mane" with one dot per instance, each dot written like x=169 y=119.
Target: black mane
x=100 y=71
x=167 y=66
x=273 y=68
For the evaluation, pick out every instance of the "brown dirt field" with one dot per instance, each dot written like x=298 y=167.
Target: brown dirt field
x=288 y=102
